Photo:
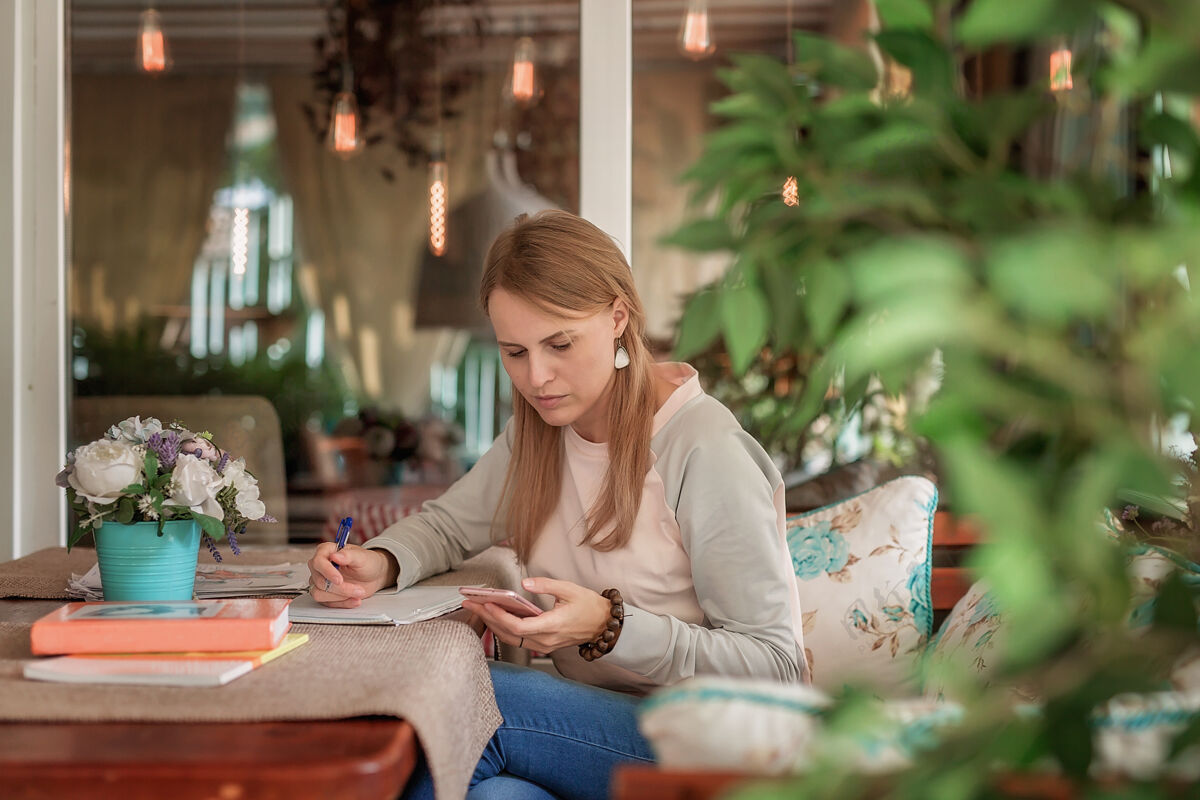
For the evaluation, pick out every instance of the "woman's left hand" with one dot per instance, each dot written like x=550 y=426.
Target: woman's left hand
x=579 y=615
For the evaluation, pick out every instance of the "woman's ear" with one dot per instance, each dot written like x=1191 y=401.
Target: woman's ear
x=620 y=317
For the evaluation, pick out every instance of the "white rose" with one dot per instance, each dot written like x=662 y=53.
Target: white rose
x=103 y=468
x=246 y=487
x=194 y=484
x=135 y=431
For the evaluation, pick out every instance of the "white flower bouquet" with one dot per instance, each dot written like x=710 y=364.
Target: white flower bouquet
x=141 y=471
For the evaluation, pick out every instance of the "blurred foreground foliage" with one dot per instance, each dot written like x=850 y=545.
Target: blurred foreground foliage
x=1041 y=244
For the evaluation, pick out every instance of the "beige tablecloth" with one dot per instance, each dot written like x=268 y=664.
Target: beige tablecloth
x=433 y=673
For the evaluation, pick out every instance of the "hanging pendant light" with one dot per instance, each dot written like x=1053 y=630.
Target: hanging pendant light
x=152 y=44
x=438 y=197
x=1060 y=69
x=345 y=127
x=439 y=194
x=791 y=193
x=345 y=137
x=695 y=34
x=522 y=86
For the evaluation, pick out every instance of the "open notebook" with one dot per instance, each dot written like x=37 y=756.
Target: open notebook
x=414 y=604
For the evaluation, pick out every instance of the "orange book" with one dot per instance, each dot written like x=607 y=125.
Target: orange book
x=146 y=627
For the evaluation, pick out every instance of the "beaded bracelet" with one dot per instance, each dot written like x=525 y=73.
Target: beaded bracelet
x=592 y=650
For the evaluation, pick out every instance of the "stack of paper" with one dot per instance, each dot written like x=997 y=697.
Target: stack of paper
x=216 y=580
x=413 y=604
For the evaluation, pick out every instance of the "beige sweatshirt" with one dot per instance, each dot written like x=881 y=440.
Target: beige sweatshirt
x=706 y=576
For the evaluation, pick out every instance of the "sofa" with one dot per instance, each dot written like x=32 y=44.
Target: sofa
x=867 y=578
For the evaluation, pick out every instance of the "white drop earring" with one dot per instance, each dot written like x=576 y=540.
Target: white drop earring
x=622 y=358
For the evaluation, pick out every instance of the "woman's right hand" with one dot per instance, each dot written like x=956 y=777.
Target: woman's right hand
x=359 y=574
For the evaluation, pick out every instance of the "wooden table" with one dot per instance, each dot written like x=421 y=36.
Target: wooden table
x=355 y=759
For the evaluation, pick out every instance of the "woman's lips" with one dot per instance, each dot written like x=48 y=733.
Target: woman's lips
x=549 y=401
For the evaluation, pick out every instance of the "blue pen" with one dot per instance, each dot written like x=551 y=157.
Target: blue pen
x=343 y=535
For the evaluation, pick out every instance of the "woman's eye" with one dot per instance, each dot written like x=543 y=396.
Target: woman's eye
x=561 y=347
x=515 y=354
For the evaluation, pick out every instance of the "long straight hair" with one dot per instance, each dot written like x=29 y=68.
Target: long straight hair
x=559 y=262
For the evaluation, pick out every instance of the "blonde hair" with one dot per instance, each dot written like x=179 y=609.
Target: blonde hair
x=558 y=261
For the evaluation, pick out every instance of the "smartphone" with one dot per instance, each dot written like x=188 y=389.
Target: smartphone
x=507 y=599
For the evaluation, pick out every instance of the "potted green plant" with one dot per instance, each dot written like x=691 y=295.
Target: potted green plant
x=150 y=495
x=1049 y=275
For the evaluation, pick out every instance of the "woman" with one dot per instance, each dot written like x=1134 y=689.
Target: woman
x=614 y=473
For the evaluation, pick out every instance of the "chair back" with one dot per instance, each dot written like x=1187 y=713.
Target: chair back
x=952 y=538
x=244 y=425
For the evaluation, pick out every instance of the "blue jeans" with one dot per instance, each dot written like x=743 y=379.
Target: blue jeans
x=559 y=739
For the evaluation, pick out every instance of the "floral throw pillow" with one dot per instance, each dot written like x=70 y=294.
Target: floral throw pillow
x=862 y=566
x=967 y=645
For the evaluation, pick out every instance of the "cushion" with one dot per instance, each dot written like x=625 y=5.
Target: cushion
x=967 y=645
x=971 y=640
x=1133 y=733
x=768 y=728
x=862 y=566
x=733 y=724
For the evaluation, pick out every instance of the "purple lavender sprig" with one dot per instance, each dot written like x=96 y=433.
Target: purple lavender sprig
x=232 y=535
x=221 y=464
x=211 y=544
x=166 y=446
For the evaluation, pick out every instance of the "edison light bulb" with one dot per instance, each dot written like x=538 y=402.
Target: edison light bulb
x=695 y=35
x=345 y=131
x=1060 y=70
x=791 y=195
x=152 y=45
x=523 y=86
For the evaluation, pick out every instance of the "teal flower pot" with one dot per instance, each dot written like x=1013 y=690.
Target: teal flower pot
x=138 y=564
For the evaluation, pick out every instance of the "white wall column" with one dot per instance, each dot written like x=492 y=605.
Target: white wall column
x=606 y=117
x=33 y=326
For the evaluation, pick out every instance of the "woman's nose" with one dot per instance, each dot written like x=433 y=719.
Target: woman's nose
x=539 y=370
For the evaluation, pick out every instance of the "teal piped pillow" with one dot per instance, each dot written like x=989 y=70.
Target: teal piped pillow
x=862 y=568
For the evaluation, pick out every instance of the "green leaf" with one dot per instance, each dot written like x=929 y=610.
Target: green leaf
x=739 y=106
x=895 y=138
x=703 y=235
x=827 y=294
x=917 y=266
x=987 y=22
x=210 y=525
x=1175 y=607
x=898 y=14
x=125 y=509
x=150 y=464
x=77 y=533
x=1187 y=737
x=1171 y=132
x=932 y=67
x=1172 y=507
x=745 y=321
x=1055 y=275
x=834 y=64
x=767 y=80
x=134 y=488
x=700 y=323
x=1164 y=64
